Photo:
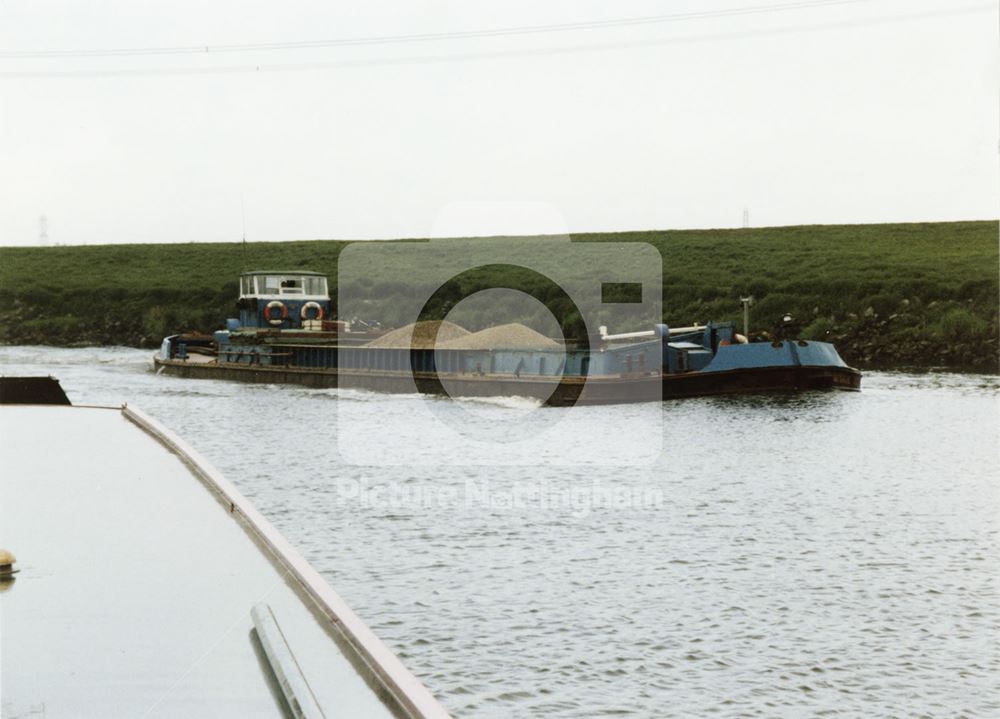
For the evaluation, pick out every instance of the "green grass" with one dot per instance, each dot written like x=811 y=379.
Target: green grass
x=921 y=283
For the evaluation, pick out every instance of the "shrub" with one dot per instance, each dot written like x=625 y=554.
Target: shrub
x=154 y=322
x=884 y=303
x=958 y=324
x=818 y=329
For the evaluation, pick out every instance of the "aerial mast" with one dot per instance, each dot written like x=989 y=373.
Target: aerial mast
x=243 y=214
x=747 y=301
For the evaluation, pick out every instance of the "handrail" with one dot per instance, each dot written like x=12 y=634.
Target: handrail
x=294 y=686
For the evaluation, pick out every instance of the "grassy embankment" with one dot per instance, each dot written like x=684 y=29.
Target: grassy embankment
x=887 y=295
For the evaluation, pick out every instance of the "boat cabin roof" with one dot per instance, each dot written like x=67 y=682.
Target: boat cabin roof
x=283 y=273
x=137 y=580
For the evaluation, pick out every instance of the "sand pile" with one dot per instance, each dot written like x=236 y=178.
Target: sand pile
x=512 y=336
x=422 y=335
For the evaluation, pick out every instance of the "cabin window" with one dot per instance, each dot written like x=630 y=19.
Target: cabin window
x=268 y=285
x=284 y=285
x=278 y=285
x=315 y=285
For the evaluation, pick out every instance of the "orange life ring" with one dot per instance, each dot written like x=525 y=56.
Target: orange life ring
x=312 y=306
x=273 y=305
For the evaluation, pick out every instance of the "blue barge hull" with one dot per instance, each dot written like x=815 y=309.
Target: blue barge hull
x=568 y=390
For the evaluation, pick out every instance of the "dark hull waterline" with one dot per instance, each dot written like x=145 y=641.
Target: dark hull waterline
x=567 y=391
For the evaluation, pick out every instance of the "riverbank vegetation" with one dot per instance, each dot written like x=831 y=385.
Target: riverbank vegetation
x=890 y=295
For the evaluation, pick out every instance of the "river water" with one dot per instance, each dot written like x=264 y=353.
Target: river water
x=821 y=554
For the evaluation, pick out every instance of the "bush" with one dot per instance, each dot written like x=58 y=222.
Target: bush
x=883 y=303
x=981 y=290
x=155 y=322
x=772 y=308
x=818 y=329
x=959 y=325
x=54 y=326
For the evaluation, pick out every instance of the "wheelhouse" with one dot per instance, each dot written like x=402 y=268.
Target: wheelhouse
x=283 y=300
x=277 y=285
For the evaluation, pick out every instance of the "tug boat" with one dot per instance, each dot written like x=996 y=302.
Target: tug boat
x=285 y=334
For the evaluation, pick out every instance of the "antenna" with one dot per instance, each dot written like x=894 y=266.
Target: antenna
x=746 y=217
x=43 y=230
x=243 y=213
x=747 y=301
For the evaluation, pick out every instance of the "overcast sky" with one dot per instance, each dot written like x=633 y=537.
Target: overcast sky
x=802 y=112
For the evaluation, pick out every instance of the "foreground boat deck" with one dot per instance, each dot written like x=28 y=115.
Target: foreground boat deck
x=137 y=579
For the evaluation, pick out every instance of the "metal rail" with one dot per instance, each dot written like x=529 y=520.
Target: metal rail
x=294 y=686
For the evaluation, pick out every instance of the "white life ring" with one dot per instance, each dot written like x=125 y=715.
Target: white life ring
x=275 y=305
x=312 y=306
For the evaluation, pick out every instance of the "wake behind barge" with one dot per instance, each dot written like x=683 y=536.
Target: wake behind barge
x=282 y=336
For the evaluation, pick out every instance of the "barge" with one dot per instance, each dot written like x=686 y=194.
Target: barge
x=284 y=334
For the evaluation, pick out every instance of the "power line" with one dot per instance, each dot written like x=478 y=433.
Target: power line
x=486 y=55
x=429 y=37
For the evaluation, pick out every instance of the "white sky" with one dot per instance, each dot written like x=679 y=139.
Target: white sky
x=867 y=111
